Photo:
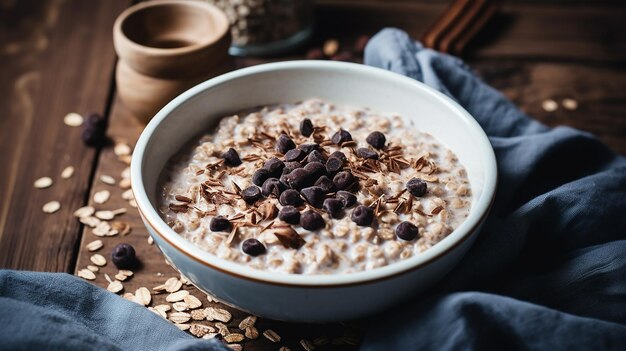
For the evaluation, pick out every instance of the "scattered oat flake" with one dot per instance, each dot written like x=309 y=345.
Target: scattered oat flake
x=200 y=330
x=93 y=268
x=105 y=215
x=271 y=335
x=251 y=333
x=85 y=211
x=86 y=274
x=180 y=306
x=182 y=326
x=569 y=104
x=43 y=182
x=67 y=172
x=121 y=149
x=115 y=286
x=126 y=272
x=218 y=314
x=234 y=337
x=150 y=240
x=94 y=245
x=179 y=317
x=192 y=302
x=247 y=322
x=124 y=183
x=307 y=345
x=89 y=221
x=101 y=229
x=198 y=315
x=284 y=348
x=132 y=203
x=143 y=296
x=101 y=197
x=549 y=105
x=235 y=347
x=177 y=296
x=173 y=285
x=98 y=260
x=121 y=227
x=121 y=277
x=73 y=119
x=51 y=207
x=107 y=179
x=127 y=195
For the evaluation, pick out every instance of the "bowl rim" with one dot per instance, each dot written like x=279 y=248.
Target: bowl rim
x=478 y=212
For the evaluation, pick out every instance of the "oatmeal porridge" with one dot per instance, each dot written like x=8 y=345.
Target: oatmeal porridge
x=314 y=188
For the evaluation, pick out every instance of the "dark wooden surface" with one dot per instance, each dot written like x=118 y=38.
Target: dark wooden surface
x=57 y=57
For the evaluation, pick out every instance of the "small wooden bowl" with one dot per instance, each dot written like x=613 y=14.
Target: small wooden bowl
x=166 y=47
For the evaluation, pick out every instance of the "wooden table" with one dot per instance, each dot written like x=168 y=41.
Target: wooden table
x=57 y=57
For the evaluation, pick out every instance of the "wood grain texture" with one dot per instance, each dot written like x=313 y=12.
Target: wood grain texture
x=572 y=31
x=599 y=91
x=56 y=57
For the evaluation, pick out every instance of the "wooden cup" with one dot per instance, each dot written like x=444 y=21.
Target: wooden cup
x=166 y=47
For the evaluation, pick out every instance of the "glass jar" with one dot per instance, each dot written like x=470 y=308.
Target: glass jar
x=267 y=27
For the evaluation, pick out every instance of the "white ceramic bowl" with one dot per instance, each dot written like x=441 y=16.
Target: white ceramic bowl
x=318 y=298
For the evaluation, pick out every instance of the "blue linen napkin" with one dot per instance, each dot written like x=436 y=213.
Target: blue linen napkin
x=548 y=271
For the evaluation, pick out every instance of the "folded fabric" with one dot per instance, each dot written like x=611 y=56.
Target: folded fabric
x=548 y=271
x=57 y=311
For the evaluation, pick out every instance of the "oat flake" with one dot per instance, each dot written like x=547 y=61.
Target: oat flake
x=173 y=285
x=84 y=212
x=67 y=172
x=107 y=179
x=177 y=296
x=51 y=207
x=98 y=260
x=73 y=119
x=121 y=149
x=115 y=287
x=101 y=197
x=86 y=274
x=43 y=182
x=143 y=296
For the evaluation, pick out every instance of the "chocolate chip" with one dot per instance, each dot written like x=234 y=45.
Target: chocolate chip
x=314 y=195
x=367 y=153
x=272 y=186
x=341 y=136
x=362 y=215
x=333 y=207
x=307 y=148
x=252 y=247
x=94 y=130
x=416 y=187
x=290 y=166
x=290 y=197
x=311 y=220
x=274 y=166
x=294 y=155
x=298 y=178
x=231 y=157
x=326 y=184
x=284 y=144
x=376 y=139
x=340 y=155
x=348 y=198
x=343 y=180
x=289 y=214
x=407 y=231
x=260 y=176
x=315 y=169
x=334 y=165
x=251 y=194
x=123 y=256
x=306 y=127
x=219 y=224
x=316 y=156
